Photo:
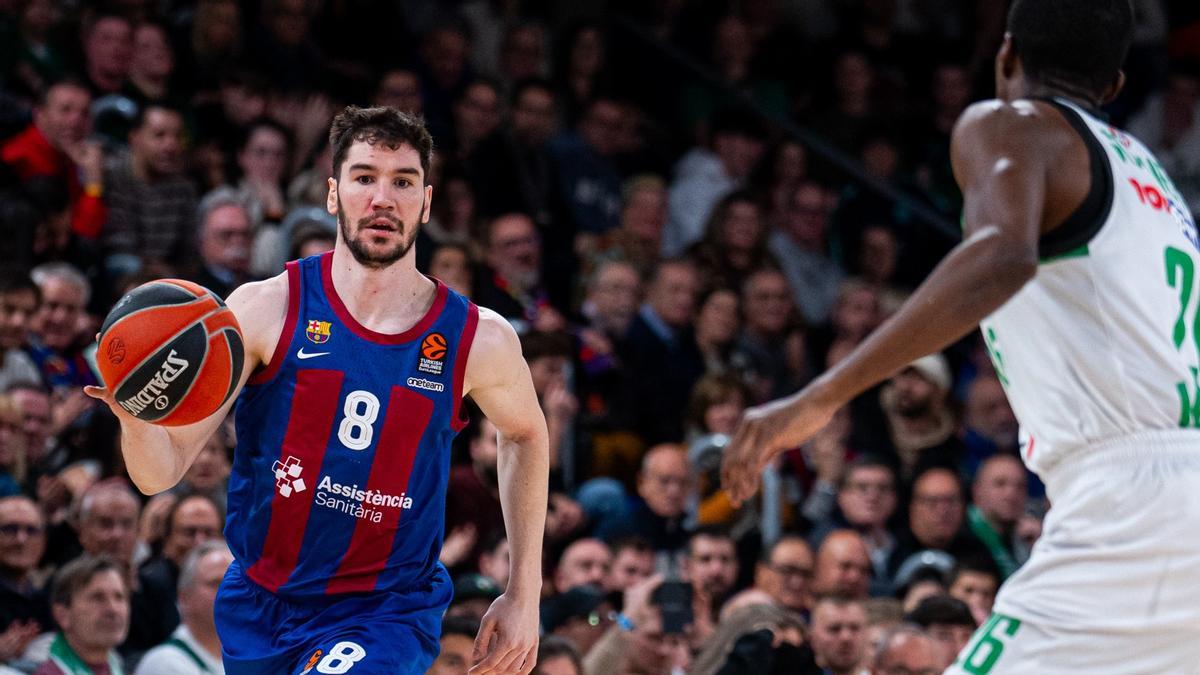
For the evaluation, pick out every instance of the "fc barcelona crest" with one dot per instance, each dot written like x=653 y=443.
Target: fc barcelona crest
x=318 y=331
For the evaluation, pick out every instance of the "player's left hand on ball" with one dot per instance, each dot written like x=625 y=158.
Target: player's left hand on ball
x=508 y=638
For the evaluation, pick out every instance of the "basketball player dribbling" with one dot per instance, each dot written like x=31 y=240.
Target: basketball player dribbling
x=1079 y=263
x=355 y=369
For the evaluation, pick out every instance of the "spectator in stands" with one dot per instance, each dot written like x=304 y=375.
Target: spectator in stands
x=399 y=88
x=153 y=62
x=108 y=52
x=866 y=502
x=922 y=575
x=998 y=507
x=734 y=244
x=711 y=566
x=191 y=521
x=762 y=349
x=457 y=645
x=613 y=295
x=90 y=600
x=907 y=649
x=936 y=517
x=473 y=595
x=522 y=53
x=921 y=425
x=45 y=457
x=799 y=241
x=56 y=339
x=150 y=200
x=55 y=144
x=661 y=353
x=263 y=158
x=842 y=566
x=12 y=448
x=512 y=168
x=638 y=238
x=637 y=645
x=838 y=632
x=444 y=72
x=991 y=426
x=476 y=116
x=194 y=648
x=664 y=486
x=633 y=561
x=19 y=299
x=786 y=573
x=949 y=622
x=512 y=282
x=24 y=601
x=580 y=615
x=706 y=174
x=107 y=522
x=975 y=583
x=476 y=490
x=586 y=562
x=225 y=234
x=558 y=656
x=718 y=320
x=588 y=181
x=451 y=263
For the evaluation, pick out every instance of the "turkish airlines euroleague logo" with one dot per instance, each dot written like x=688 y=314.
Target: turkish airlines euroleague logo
x=433 y=354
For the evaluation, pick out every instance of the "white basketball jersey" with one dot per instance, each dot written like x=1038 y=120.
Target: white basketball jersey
x=1105 y=340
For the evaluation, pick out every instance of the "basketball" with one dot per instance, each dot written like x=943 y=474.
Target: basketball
x=170 y=352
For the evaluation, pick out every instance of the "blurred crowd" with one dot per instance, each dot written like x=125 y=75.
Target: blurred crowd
x=668 y=254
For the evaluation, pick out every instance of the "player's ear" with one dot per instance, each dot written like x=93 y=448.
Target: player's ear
x=427 y=204
x=1110 y=93
x=1006 y=66
x=331 y=200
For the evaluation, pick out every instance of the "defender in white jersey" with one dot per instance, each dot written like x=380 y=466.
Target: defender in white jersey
x=1079 y=263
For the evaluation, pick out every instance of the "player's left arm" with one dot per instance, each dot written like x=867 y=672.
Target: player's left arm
x=1002 y=169
x=497 y=379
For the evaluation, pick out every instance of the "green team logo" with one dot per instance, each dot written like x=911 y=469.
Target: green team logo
x=993 y=349
x=987 y=645
x=1181 y=276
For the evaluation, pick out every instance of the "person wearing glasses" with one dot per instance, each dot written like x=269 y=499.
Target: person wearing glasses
x=24 y=605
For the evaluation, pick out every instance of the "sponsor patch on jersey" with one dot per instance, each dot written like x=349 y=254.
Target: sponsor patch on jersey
x=312 y=661
x=428 y=385
x=317 y=331
x=433 y=354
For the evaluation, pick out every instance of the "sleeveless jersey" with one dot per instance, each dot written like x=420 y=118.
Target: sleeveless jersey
x=1105 y=340
x=343 y=445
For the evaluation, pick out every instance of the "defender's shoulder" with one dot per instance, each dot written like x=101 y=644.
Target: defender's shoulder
x=1015 y=123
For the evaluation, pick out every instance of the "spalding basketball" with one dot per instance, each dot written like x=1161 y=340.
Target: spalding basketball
x=170 y=352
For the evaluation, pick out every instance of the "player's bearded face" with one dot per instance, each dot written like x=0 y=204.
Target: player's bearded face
x=373 y=239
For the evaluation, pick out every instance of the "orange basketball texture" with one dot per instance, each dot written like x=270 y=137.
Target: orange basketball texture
x=434 y=347
x=171 y=352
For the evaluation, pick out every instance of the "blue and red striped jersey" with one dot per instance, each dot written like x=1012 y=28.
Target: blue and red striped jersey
x=343 y=445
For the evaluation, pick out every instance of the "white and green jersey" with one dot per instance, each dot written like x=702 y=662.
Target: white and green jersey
x=1105 y=340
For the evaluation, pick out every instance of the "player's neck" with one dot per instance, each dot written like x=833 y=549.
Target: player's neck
x=378 y=298
x=1076 y=95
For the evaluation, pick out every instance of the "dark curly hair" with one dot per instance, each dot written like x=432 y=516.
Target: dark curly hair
x=388 y=126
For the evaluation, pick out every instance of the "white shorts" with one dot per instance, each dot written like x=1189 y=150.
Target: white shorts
x=1113 y=585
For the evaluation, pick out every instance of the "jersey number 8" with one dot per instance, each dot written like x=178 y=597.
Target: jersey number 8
x=361 y=409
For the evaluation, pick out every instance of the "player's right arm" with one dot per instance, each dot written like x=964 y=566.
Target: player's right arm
x=1002 y=156
x=156 y=457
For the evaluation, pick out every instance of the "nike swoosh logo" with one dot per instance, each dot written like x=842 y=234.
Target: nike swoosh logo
x=301 y=355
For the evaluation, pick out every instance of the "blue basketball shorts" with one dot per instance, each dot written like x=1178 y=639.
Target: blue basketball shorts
x=362 y=634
